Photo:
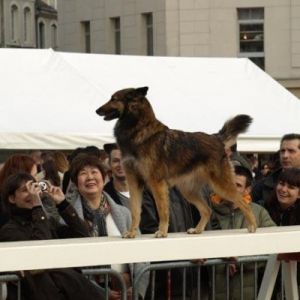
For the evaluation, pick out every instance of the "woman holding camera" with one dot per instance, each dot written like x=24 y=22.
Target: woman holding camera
x=28 y=221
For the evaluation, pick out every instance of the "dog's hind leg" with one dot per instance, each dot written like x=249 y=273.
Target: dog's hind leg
x=160 y=193
x=204 y=210
x=222 y=182
x=135 y=192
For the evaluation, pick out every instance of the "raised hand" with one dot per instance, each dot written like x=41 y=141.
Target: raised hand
x=54 y=192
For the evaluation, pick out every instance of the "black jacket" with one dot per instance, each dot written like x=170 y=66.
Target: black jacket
x=263 y=189
x=181 y=218
x=33 y=224
x=3 y=215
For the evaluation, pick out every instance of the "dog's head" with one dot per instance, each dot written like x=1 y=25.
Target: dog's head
x=114 y=108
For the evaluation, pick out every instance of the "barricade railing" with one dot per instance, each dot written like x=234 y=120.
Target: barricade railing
x=88 y=272
x=182 y=265
x=209 y=263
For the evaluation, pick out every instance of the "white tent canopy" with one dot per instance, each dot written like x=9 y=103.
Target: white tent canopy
x=48 y=99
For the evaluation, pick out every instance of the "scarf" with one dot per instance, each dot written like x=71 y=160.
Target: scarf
x=217 y=199
x=98 y=219
x=97 y=216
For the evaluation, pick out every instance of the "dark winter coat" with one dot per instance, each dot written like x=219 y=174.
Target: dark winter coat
x=263 y=189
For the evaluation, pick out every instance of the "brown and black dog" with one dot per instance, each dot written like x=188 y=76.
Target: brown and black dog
x=159 y=157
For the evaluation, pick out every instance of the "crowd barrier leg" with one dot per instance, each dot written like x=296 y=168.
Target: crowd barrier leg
x=2 y=290
x=288 y=262
x=290 y=279
x=268 y=282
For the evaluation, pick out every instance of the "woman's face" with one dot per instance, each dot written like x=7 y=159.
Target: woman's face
x=90 y=181
x=21 y=198
x=287 y=194
x=265 y=169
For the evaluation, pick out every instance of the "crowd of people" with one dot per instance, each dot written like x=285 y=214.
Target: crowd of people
x=87 y=195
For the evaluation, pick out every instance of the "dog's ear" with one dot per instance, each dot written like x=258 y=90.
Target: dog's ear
x=142 y=91
x=136 y=93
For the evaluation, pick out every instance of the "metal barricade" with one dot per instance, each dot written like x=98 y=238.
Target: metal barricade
x=107 y=272
x=183 y=265
x=88 y=272
x=209 y=263
x=6 y=278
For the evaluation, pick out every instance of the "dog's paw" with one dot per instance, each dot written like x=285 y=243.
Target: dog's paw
x=252 y=228
x=161 y=234
x=128 y=235
x=194 y=231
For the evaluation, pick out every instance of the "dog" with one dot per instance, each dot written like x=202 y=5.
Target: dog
x=158 y=157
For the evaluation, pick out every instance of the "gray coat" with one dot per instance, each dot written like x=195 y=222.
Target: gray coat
x=122 y=218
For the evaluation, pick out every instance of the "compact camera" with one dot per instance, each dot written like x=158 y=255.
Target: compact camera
x=43 y=186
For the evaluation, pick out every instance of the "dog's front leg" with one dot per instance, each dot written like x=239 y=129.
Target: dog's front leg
x=160 y=193
x=135 y=192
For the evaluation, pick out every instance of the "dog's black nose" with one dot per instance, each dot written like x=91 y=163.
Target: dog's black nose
x=98 y=111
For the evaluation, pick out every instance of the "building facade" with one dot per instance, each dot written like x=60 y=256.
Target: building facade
x=28 y=24
x=46 y=24
x=266 y=31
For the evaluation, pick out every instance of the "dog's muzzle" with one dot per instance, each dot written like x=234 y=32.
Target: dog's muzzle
x=108 y=115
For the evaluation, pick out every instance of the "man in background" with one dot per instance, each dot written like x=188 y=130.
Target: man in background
x=289 y=156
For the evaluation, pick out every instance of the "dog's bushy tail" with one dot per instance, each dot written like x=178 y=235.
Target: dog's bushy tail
x=232 y=128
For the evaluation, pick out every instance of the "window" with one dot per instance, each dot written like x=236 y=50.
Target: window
x=26 y=24
x=14 y=22
x=53 y=3
x=117 y=35
x=251 y=35
x=54 y=36
x=87 y=36
x=149 y=33
x=41 y=35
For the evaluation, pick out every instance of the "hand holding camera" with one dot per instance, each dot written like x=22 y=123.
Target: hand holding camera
x=34 y=191
x=43 y=186
x=53 y=191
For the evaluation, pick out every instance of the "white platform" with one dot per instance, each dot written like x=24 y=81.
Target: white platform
x=177 y=246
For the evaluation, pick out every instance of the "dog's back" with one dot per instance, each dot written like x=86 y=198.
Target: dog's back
x=170 y=153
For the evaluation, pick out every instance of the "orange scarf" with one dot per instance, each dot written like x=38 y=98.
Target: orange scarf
x=217 y=199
